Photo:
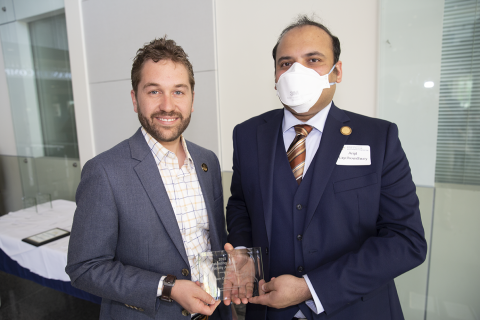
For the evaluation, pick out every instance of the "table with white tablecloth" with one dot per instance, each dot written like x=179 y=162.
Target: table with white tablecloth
x=44 y=264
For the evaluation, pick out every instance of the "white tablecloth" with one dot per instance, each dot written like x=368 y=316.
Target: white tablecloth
x=49 y=260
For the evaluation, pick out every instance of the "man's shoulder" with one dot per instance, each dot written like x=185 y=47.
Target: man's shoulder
x=360 y=117
x=115 y=154
x=367 y=122
x=261 y=119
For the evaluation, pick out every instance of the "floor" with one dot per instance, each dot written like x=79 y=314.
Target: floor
x=26 y=300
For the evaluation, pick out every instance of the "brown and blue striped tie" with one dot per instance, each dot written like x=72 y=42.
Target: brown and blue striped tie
x=296 y=151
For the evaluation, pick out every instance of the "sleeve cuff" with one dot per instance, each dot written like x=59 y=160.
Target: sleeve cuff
x=160 y=286
x=315 y=305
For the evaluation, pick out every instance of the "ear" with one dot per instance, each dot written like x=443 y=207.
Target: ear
x=275 y=78
x=193 y=98
x=339 y=72
x=134 y=101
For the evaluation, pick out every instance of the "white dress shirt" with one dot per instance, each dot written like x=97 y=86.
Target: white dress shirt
x=311 y=144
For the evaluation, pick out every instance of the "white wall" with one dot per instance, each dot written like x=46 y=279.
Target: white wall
x=115 y=30
x=409 y=55
x=246 y=34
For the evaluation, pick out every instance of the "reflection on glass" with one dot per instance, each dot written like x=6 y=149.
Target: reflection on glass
x=54 y=86
x=429 y=84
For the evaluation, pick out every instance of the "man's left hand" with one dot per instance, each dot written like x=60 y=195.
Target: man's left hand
x=282 y=292
x=239 y=276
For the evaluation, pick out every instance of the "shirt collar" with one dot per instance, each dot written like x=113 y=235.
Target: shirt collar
x=160 y=152
x=317 y=121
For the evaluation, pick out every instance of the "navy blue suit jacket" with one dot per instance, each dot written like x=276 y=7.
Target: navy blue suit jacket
x=362 y=227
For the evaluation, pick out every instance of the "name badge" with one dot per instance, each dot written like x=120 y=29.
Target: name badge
x=352 y=155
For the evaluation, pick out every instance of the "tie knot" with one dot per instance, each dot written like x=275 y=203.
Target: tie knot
x=303 y=129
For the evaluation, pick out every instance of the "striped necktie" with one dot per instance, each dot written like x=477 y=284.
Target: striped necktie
x=296 y=151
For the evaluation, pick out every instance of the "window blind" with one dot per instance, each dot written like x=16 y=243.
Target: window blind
x=458 y=144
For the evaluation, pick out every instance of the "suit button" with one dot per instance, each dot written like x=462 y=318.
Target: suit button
x=299 y=237
x=300 y=269
x=185 y=313
x=266 y=251
x=299 y=207
x=185 y=272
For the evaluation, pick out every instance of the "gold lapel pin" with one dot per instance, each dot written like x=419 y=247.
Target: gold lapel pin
x=204 y=167
x=346 y=131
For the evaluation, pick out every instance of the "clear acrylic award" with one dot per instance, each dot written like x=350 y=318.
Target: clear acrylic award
x=235 y=273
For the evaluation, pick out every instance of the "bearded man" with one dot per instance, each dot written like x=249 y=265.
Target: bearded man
x=149 y=205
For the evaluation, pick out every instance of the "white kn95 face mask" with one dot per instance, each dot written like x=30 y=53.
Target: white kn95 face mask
x=300 y=87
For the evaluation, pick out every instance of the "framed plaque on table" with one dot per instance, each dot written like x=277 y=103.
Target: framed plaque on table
x=46 y=237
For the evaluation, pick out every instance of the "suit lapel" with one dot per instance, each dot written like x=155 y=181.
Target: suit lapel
x=267 y=135
x=149 y=175
x=326 y=158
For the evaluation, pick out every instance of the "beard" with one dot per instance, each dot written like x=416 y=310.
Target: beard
x=163 y=134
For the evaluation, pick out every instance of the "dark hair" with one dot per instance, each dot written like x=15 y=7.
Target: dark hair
x=160 y=49
x=301 y=21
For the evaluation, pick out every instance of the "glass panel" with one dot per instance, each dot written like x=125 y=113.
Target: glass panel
x=454 y=284
x=410 y=42
x=412 y=286
x=429 y=85
x=10 y=185
x=37 y=67
x=458 y=149
x=54 y=86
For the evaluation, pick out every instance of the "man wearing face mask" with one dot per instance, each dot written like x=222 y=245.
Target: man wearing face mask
x=326 y=193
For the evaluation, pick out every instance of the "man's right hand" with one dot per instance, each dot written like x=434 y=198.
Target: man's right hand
x=193 y=298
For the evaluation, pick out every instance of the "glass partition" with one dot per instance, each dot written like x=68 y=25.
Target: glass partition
x=36 y=58
x=49 y=43
x=429 y=84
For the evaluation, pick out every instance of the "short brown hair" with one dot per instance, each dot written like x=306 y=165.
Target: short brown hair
x=156 y=50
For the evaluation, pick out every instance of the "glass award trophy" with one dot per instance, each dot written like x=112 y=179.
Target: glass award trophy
x=225 y=274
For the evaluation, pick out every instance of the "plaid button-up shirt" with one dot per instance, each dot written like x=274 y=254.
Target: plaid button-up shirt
x=185 y=194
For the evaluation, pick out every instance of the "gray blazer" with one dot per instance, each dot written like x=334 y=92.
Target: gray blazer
x=125 y=236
